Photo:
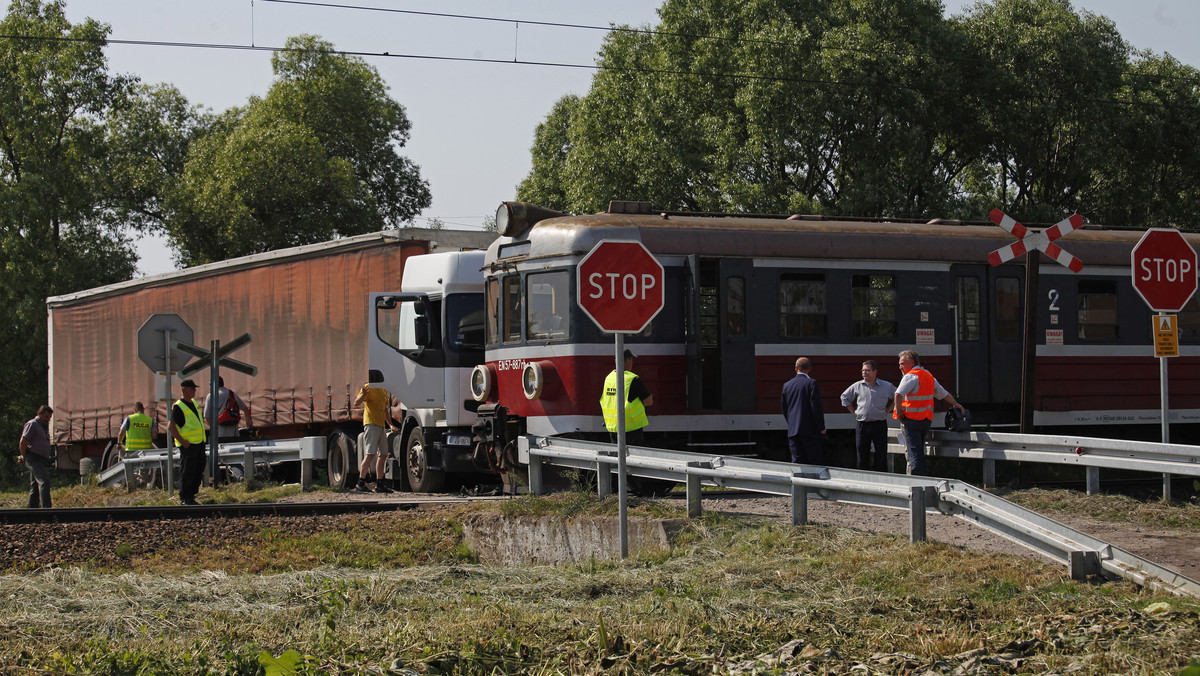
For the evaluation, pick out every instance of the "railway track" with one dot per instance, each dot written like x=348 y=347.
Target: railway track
x=203 y=511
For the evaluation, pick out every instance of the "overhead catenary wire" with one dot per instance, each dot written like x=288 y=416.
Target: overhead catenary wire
x=876 y=84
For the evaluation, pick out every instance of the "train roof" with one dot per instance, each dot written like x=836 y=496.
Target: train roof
x=801 y=237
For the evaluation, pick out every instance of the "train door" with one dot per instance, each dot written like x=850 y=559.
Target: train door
x=968 y=290
x=988 y=345
x=721 y=368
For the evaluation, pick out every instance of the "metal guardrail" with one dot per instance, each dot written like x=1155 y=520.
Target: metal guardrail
x=1087 y=452
x=305 y=450
x=1082 y=554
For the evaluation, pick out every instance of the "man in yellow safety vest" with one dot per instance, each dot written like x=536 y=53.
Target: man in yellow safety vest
x=137 y=432
x=637 y=398
x=187 y=429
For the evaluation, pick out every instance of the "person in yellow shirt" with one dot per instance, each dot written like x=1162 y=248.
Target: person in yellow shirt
x=377 y=413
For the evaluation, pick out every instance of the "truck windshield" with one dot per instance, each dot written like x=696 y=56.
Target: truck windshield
x=464 y=321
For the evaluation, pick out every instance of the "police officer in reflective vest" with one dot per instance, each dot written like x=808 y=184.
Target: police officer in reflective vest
x=187 y=429
x=914 y=408
x=137 y=432
x=637 y=398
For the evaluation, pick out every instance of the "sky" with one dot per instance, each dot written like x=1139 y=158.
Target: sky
x=473 y=120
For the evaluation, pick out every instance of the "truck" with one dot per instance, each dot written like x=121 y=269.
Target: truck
x=305 y=309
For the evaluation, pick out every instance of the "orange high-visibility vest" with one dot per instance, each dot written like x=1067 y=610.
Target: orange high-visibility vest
x=919 y=405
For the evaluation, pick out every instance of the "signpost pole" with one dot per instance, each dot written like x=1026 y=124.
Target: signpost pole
x=170 y=450
x=211 y=412
x=622 y=475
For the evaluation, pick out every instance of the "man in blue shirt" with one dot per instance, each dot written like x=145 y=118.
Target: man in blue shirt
x=870 y=400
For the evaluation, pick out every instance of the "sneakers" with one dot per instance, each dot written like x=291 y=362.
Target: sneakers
x=361 y=487
x=382 y=486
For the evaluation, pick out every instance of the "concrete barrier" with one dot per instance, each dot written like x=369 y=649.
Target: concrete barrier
x=552 y=539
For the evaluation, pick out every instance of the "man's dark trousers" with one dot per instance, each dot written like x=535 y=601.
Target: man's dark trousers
x=870 y=433
x=807 y=450
x=191 y=461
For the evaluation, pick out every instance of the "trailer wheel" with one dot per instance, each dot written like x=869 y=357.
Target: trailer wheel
x=421 y=478
x=112 y=456
x=341 y=461
x=397 y=463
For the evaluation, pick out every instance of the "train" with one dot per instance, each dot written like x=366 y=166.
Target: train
x=483 y=347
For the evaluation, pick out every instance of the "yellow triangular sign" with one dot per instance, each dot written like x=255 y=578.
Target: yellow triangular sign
x=1165 y=323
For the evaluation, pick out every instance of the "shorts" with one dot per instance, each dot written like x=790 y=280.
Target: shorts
x=373 y=440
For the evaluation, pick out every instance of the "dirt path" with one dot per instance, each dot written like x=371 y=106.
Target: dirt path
x=1178 y=550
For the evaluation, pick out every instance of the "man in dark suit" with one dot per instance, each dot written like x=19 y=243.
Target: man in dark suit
x=801 y=403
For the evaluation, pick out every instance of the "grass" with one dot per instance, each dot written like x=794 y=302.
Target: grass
x=1109 y=507
x=731 y=595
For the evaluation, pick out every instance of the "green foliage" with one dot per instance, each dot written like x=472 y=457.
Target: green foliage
x=313 y=160
x=56 y=233
x=878 y=108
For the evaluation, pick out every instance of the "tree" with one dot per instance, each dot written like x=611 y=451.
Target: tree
x=1042 y=83
x=767 y=105
x=877 y=108
x=55 y=236
x=313 y=160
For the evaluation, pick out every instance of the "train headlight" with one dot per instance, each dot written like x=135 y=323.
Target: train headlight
x=533 y=380
x=481 y=383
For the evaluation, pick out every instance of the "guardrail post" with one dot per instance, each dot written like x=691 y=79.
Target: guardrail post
x=248 y=466
x=306 y=474
x=128 y=476
x=989 y=473
x=916 y=514
x=799 y=504
x=693 y=496
x=603 y=479
x=1093 y=480
x=1166 y=487
x=1082 y=564
x=535 y=473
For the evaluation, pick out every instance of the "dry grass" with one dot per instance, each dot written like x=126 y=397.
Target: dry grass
x=732 y=596
x=1109 y=507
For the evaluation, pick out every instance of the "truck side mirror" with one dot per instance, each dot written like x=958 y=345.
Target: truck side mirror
x=385 y=303
x=421 y=330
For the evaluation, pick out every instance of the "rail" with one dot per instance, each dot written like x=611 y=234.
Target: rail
x=305 y=450
x=1082 y=554
x=1088 y=452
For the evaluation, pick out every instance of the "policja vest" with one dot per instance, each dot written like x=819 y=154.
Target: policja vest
x=193 y=428
x=138 y=437
x=635 y=412
x=919 y=405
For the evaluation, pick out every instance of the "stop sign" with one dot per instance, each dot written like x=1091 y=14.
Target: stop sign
x=1164 y=269
x=619 y=284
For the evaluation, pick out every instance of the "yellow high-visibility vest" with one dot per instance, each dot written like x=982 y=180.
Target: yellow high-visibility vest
x=139 y=437
x=193 y=428
x=635 y=412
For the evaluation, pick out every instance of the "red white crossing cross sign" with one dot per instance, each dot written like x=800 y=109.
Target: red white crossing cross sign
x=1028 y=240
x=620 y=286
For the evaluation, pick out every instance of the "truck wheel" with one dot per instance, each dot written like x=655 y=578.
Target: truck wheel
x=112 y=456
x=421 y=478
x=341 y=461
x=397 y=462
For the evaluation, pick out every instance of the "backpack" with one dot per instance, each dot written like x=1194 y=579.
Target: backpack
x=229 y=414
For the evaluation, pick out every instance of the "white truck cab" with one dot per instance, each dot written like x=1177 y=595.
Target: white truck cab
x=424 y=340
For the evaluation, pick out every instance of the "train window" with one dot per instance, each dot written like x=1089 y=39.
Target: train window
x=1097 y=310
x=802 y=312
x=1008 y=309
x=735 y=306
x=492 y=312
x=966 y=298
x=1189 y=321
x=512 y=308
x=548 y=302
x=873 y=307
